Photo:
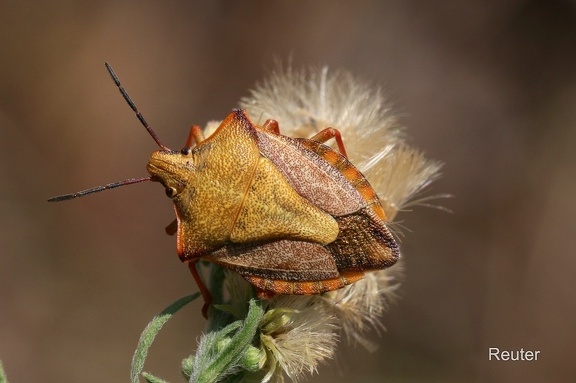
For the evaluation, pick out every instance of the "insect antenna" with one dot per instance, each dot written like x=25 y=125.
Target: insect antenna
x=133 y=106
x=97 y=189
x=129 y=181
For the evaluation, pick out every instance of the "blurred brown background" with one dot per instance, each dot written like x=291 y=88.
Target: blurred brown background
x=489 y=88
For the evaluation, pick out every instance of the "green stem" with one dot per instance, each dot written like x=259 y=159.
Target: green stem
x=150 y=333
x=3 y=378
x=212 y=367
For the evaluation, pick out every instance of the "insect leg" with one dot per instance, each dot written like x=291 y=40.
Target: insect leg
x=271 y=126
x=328 y=133
x=196 y=135
x=172 y=228
x=203 y=289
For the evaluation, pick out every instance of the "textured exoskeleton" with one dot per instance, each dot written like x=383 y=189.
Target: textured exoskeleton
x=291 y=215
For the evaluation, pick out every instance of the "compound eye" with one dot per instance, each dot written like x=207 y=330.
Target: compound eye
x=170 y=192
x=186 y=151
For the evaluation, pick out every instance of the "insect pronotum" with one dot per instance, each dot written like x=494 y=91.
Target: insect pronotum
x=290 y=215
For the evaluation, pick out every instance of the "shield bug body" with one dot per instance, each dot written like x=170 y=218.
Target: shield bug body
x=291 y=215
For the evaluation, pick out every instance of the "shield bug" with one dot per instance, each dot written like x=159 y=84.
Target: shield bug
x=290 y=215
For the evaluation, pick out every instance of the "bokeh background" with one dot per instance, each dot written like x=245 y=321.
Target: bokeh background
x=488 y=88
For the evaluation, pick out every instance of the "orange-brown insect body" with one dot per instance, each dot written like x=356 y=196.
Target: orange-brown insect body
x=292 y=216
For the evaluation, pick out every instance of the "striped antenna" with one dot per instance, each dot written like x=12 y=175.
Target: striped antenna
x=97 y=189
x=130 y=181
x=133 y=107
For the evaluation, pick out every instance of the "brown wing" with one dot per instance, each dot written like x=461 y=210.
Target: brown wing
x=364 y=243
x=278 y=260
x=310 y=175
x=335 y=185
x=350 y=173
x=285 y=267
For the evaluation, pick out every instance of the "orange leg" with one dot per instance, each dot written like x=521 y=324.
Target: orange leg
x=328 y=133
x=196 y=136
x=264 y=294
x=271 y=126
x=172 y=227
x=322 y=136
x=203 y=289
